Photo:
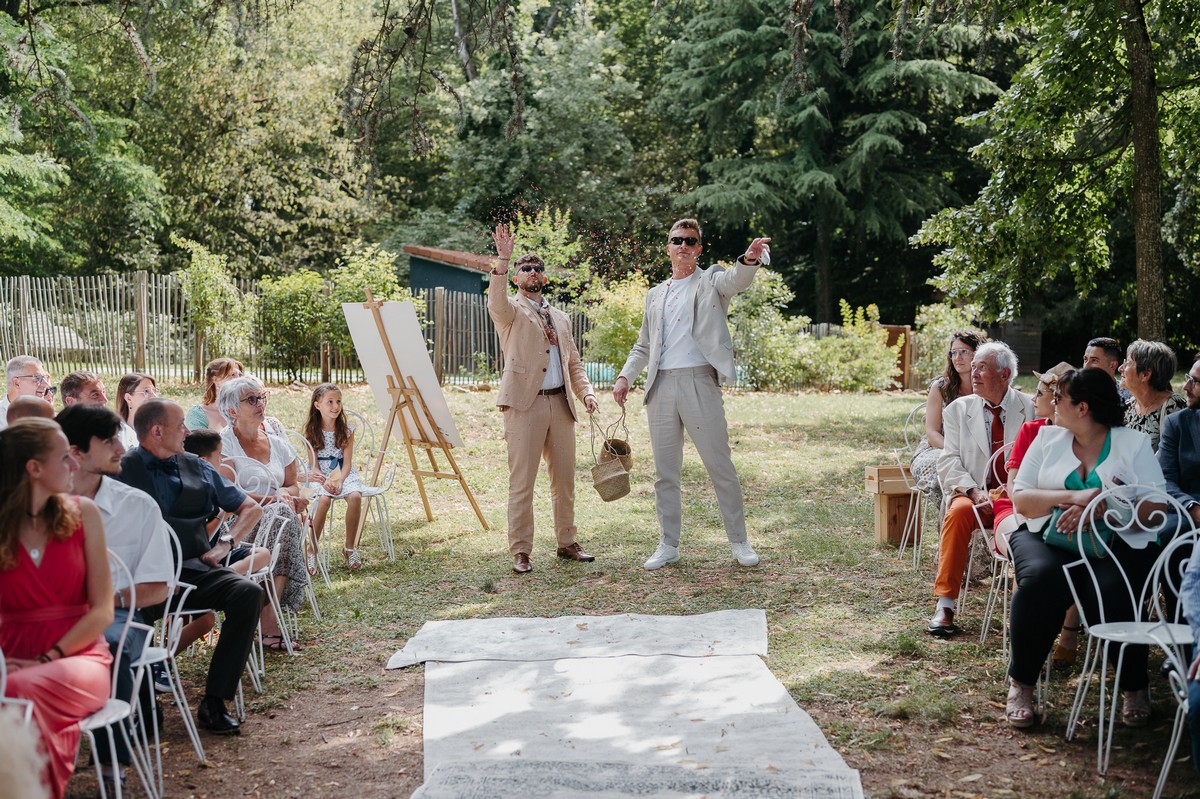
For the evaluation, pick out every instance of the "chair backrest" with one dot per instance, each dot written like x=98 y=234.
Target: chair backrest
x=1167 y=580
x=117 y=566
x=1130 y=509
x=364 y=435
x=914 y=427
x=251 y=477
x=306 y=457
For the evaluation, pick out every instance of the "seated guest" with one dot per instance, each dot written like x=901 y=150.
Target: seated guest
x=1179 y=448
x=976 y=427
x=1105 y=353
x=1065 y=468
x=55 y=592
x=29 y=407
x=954 y=382
x=189 y=492
x=136 y=532
x=243 y=402
x=132 y=392
x=84 y=388
x=1148 y=369
x=24 y=376
x=206 y=415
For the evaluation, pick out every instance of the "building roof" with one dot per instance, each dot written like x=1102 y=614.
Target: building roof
x=467 y=260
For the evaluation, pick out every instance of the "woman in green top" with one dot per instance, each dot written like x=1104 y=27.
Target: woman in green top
x=205 y=415
x=1087 y=449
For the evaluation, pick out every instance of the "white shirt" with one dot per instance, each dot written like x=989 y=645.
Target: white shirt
x=282 y=456
x=679 y=347
x=554 y=374
x=4 y=403
x=134 y=529
x=128 y=437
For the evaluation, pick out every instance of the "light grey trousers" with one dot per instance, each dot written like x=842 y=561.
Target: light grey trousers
x=691 y=400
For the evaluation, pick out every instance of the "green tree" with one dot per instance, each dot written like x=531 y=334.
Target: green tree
x=291 y=319
x=615 y=318
x=222 y=316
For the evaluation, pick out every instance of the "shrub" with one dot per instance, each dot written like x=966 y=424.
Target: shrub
x=935 y=324
x=616 y=318
x=548 y=234
x=772 y=349
x=363 y=267
x=857 y=360
x=221 y=314
x=291 y=320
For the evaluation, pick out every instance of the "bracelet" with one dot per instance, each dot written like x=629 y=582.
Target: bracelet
x=44 y=657
x=121 y=596
x=58 y=649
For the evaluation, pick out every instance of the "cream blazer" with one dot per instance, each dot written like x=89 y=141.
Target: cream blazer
x=527 y=353
x=710 y=298
x=963 y=463
x=1051 y=459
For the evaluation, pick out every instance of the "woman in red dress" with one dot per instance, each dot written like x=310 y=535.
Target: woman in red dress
x=56 y=594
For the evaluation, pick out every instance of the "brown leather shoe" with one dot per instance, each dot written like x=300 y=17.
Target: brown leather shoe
x=575 y=552
x=521 y=564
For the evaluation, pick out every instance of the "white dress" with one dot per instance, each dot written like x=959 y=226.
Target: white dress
x=330 y=457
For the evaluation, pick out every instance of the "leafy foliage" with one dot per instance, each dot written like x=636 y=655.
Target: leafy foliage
x=548 y=234
x=773 y=350
x=615 y=318
x=934 y=325
x=857 y=360
x=221 y=314
x=292 y=314
x=364 y=267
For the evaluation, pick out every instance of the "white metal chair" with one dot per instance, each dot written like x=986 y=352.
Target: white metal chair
x=374 y=493
x=117 y=712
x=1128 y=509
x=310 y=490
x=914 y=522
x=985 y=538
x=1164 y=637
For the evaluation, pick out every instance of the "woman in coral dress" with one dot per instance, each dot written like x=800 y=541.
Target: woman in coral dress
x=56 y=594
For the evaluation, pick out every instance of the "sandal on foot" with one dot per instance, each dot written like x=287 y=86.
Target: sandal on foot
x=276 y=643
x=1135 y=707
x=1019 y=709
x=1064 y=656
x=353 y=560
x=311 y=563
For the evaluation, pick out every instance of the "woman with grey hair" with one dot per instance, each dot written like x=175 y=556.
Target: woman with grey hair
x=1147 y=370
x=243 y=403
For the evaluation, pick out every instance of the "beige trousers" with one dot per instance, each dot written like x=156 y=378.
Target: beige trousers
x=545 y=430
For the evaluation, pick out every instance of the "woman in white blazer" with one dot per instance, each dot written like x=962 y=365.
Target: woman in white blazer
x=1067 y=465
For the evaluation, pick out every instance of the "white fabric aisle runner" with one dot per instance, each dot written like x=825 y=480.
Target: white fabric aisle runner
x=660 y=710
x=723 y=632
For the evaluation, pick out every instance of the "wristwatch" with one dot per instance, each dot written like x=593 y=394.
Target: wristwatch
x=226 y=539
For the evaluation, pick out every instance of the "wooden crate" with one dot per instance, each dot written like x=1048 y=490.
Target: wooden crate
x=892 y=502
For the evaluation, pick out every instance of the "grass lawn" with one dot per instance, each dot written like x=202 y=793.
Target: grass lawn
x=918 y=717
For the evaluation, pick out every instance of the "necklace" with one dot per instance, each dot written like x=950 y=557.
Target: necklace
x=35 y=553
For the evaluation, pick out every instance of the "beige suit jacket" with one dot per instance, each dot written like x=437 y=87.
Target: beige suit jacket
x=527 y=352
x=711 y=295
x=963 y=463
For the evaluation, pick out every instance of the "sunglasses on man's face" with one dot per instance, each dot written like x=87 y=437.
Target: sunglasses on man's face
x=533 y=268
x=690 y=241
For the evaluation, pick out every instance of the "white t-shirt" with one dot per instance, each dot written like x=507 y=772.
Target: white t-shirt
x=135 y=530
x=679 y=347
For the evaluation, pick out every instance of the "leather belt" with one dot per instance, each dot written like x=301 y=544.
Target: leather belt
x=546 y=392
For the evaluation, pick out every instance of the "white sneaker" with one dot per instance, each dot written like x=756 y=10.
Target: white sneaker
x=662 y=556
x=745 y=554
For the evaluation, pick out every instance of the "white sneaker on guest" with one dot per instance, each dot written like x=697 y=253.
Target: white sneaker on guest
x=662 y=556
x=745 y=554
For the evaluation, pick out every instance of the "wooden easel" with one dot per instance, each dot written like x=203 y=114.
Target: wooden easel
x=406 y=398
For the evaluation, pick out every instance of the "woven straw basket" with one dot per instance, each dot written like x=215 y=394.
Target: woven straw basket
x=617 y=448
x=610 y=475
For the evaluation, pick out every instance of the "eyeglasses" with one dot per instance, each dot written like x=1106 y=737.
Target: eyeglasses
x=690 y=241
x=148 y=393
x=257 y=399
x=41 y=380
x=533 y=268
x=960 y=353
x=1191 y=380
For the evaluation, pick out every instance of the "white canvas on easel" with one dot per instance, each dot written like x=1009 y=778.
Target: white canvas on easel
x=408 y=346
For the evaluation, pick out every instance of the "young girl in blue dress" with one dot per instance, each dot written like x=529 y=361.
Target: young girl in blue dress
x=332 y=438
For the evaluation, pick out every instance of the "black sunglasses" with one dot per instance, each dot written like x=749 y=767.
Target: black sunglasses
x=533 y=268
x=690 y=241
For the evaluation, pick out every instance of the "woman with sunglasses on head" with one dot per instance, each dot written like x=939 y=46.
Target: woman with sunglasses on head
x=1065 y=468
x=954 y=382
x=132 y=390
x=243 y=403
x=56 y=594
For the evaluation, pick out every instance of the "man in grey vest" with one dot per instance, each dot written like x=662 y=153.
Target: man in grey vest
x=190 y=492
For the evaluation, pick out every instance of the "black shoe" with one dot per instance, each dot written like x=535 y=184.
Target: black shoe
x=212 y=717
x=942 y=624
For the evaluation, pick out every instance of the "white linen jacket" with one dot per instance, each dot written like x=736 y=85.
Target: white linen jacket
x=963 y=463
x=1050 y=460
x=710 y=296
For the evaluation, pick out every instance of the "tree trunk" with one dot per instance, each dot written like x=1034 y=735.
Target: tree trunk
x=1147 y=172
x=460 y=39
x=824 y=289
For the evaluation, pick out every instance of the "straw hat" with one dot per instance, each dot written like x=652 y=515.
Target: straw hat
x=1051 y=375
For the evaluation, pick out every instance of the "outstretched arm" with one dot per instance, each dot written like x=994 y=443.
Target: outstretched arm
x=499 y=308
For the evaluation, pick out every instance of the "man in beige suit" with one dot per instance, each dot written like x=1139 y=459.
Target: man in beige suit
x=542 y=376
x=976 y=427
x=686 y=347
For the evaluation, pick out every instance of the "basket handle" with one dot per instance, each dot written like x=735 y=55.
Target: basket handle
x=611 y=431
x=596 y=428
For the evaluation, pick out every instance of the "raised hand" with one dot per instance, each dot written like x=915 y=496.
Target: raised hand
x=504 y=241
x=754 y=253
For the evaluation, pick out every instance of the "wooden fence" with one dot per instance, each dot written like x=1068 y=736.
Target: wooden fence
x=139 y=321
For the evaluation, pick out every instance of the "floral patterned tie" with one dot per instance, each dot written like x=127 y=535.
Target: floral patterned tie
x=551 y=333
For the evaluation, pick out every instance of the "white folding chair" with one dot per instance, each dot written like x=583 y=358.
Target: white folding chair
x=1163 y=635
x=914 y=522
x=985 y=538
x=374 y=493
x=310 y=490
x=1128 y=509
x=116 y=712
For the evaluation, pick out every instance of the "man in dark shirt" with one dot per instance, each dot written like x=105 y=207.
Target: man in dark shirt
x=190 y=493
